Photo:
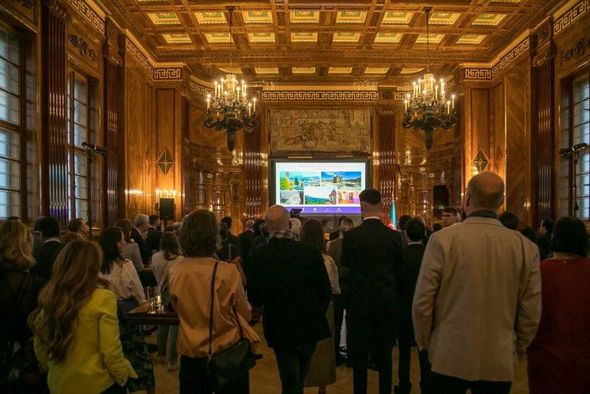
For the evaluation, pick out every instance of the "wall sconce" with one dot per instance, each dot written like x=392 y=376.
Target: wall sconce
x=133 y=192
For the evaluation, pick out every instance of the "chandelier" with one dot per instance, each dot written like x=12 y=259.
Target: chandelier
x=428 y=107
x=228 y=109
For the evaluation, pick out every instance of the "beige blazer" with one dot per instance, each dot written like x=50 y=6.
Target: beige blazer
x=478 y=299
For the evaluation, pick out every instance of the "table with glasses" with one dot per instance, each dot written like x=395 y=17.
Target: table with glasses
x=148 y=315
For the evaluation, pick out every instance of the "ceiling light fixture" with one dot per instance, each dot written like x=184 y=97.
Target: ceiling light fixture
x=428 y=107
x=229 y=109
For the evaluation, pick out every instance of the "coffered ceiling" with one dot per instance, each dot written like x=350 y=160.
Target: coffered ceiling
x=340 y=40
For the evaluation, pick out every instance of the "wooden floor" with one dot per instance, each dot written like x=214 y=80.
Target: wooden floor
x=264 y=377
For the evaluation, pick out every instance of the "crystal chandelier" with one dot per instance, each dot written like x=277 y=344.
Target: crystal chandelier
x=428 y=107
x=228 y=108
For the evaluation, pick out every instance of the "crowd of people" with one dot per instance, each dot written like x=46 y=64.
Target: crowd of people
x=472 y=296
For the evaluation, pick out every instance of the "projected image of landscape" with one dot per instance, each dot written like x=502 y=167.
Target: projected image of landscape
x=320 y=187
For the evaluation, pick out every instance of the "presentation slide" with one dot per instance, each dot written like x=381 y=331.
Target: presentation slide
x=320 y=187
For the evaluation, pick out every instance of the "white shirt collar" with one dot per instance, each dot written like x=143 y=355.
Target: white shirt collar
x=371 y=217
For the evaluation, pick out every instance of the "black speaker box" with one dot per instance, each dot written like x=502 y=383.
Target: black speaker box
x=166 y=209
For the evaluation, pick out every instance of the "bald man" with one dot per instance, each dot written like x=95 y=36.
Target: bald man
x=478 y=298
x=289 y=280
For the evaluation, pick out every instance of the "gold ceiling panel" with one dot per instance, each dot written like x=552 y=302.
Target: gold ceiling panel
x=304 y=36
x=210 y=17
x=488 y=19
x=352 y=17
x=257 y=17
x=350 y=37
x=471 y=39
x=410 y=70
x=433 y=38
x=388 y=38
x=177 y=38
x=505 y=1
x=218 y=38
x=304 y=16
x=266 y=70
x=303 y=70
x=397 y=18
x=376 y=70
x=340 y=70
x=164 y=18
x=231 y=70
x=261 y=37
x=444 y=18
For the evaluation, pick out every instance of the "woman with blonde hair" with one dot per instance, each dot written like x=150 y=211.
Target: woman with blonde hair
x=75 y=326
x=19 y=288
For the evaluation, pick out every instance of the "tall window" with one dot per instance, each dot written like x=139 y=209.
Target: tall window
x=575 y=130
x=80 y=129
x=11 y=127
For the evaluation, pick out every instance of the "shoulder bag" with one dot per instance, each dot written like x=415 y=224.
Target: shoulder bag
x=228 y=365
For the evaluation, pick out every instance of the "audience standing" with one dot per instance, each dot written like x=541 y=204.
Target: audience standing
x=124 y=281
x=245 y=238
x=559 y=357
x=190 y=295
x=79 y=226
x=450 y=216
x=130 y=250
x=45 y=255
x=477 y=301
x=334 y=250
x=75 y=326
x=19 y=287
x=372 y=253
x=154 y=234
x=166 y=257
x=139 y=234
x=232 y=239
x=322 y=371
x=544 y=238
x=509 y=220
x=289 y=280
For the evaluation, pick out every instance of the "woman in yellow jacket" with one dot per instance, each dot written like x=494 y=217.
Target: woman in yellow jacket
x=76 y=328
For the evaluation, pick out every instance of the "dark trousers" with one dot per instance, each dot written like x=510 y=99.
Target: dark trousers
x=405 y=352
x=443 y=384
x=115 y=389
x=194 y=379
x=338 y=318
x=293 y=363
x=382 y=357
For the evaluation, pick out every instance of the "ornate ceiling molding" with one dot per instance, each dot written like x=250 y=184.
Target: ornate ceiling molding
x=88 y=13
x=489 y=73
x=570 y=16
x=324 y=95
x=157 y=72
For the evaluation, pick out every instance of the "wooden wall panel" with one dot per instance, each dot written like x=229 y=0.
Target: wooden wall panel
x=517 y=141
x=385 y=146
x=54 y=192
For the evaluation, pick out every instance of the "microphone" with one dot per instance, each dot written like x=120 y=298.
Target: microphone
x=100 y=149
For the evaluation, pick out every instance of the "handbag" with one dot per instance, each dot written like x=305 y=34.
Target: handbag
x=228 y=365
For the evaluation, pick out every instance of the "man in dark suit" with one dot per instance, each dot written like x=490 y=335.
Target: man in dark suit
x=411 y=261
x=334 y=250
x=372 y=253
x=232 y=239
x=290 y=281
x=246 y=237
x=140 y=227
x=154 y=234
x=49 y=247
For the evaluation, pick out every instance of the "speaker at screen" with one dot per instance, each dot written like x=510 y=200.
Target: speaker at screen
x=166 y=209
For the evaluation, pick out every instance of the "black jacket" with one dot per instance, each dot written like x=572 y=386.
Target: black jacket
x=290 y=280
x=45 y=257
x=144 y=249
x=153 y=238
x=372 y=251
x=411 y=262
x=245 y=238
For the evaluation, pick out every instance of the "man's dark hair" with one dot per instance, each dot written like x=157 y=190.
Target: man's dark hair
x=415 y=230
x=530 y=233
x=450 y=210
x=402 y=221
x=154 y=219
x=370 y=196
x=227 y=221
x=570 y=236
x=75 y=225
x=47 y=226
x=312 y=233
x=340 y=219
x=509 y=220
x=548 y=223
x=436 y=227
x=257 y=224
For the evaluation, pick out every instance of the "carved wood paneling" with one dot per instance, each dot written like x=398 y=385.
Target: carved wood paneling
x=386 y=162
x=54 y=111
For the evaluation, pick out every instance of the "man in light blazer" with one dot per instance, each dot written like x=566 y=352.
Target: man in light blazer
x=478 y=298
